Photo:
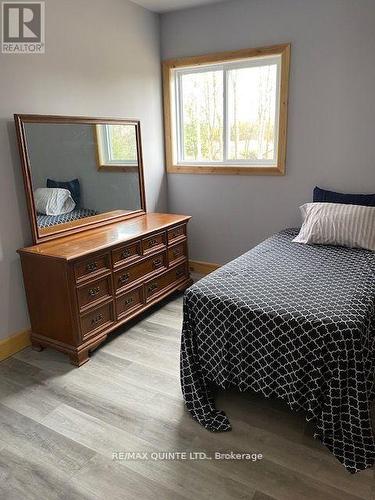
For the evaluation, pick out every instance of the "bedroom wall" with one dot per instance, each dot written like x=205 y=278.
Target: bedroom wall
x=331 y=114
x=102 y=59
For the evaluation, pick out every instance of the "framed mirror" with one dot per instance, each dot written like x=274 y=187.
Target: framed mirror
x=79 y=173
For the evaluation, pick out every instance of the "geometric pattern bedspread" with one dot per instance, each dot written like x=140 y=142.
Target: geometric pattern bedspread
x=52 y=220
x=291 y=321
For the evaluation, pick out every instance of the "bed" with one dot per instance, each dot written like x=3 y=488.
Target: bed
x=51 y=220
x=290 y=321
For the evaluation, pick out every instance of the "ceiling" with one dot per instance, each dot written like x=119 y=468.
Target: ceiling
x=168 y=5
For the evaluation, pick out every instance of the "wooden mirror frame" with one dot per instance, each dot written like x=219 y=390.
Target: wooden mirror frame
x=67 y=228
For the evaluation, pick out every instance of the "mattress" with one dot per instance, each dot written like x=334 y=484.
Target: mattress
x=44 y=221
x=290 y=321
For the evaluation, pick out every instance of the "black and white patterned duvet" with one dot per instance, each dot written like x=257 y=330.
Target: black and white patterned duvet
x=291 y=321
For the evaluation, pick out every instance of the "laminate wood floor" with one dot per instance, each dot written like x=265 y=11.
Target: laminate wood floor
x=60 y=426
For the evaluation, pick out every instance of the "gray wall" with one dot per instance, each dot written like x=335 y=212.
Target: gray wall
x=331 y=132
x=102 y=59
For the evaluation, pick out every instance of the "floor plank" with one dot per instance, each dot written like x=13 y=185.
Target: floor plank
x=61 y=425
x=106 y=479
x=18 y=431
x=185 y=478
x=23 y=476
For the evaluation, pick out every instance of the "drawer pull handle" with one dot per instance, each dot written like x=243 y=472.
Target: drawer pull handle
x=152 y=287
x=128 y=301
x=126 y=253
x=180 y=272
x=124 y=278
x=92 y=266
x=176 y=252
x=96 y=320
x=157 y=263
x=152 y=242
x=94 y=291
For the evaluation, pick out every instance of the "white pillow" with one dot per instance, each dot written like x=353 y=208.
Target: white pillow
x=338 y=224
x=53 y=201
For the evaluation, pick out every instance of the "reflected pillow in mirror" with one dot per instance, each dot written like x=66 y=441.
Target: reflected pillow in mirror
x=72 y=186
x=53 y=201
x=338 y=224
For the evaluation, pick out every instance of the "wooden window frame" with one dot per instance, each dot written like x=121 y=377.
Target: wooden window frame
x=170 y=65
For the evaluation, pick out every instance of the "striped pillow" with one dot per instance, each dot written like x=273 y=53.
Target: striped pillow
x=53 y=201
x=338 y=224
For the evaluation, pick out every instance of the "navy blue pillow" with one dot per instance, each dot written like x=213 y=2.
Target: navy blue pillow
x=322 y=195
x=73 y=186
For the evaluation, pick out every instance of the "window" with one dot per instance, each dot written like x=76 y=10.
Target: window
x=116 y=147
x=226 y=113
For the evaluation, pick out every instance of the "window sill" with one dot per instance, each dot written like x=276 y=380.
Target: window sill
x=117 y=168
x=225 y=170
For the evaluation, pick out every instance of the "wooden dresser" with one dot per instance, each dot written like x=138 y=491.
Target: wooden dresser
x=81 y=287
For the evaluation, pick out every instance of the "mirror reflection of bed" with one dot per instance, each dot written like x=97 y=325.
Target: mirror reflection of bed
x=81 y=171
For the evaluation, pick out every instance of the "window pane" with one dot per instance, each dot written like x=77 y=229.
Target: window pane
x=252 y=112
x=202 y=111
x=122 y=143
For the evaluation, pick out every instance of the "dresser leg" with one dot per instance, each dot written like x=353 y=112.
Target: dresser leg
x=79 y=358
x=35 y=346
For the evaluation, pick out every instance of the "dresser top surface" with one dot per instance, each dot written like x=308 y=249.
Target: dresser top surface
x=94 y=240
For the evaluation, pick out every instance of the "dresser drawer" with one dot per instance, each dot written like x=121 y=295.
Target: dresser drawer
x=176 y=232
x=156 y=286
x=124 y=277
x=177 y=252
x=94 y=292
x=91 y=267
x=155 y=242
x=126 y=303
x=127 y=253
x=96 y=320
